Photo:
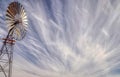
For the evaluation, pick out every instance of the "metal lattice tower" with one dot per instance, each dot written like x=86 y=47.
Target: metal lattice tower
x=17 y=24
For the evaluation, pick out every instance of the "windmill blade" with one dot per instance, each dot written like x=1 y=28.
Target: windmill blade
x=16 y=19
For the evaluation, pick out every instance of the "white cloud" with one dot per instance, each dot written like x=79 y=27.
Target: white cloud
x=71 y=43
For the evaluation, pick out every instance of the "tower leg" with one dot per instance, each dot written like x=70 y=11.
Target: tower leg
x=10 y=64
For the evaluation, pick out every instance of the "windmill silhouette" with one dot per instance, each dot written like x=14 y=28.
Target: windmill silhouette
x=17 y=26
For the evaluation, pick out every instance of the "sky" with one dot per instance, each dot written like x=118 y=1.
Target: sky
x=67 y=38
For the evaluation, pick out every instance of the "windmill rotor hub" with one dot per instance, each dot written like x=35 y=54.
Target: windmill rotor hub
x=18 y=18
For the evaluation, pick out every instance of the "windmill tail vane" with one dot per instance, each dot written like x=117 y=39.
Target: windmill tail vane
x=17 y=21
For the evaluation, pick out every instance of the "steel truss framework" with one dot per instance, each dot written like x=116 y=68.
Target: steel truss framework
x=6 y=56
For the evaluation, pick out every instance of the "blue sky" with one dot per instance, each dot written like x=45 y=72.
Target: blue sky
x=67 y=38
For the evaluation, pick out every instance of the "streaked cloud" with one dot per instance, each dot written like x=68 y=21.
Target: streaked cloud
x=68 y=38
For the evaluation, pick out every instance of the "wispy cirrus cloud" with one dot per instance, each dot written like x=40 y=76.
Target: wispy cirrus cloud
x=68 y=39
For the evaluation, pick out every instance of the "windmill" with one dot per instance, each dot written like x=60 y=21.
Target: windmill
x=17 y=26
